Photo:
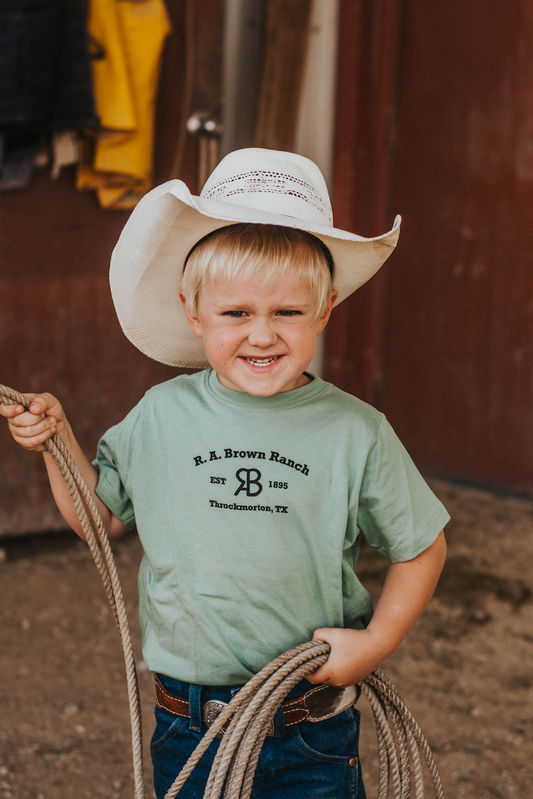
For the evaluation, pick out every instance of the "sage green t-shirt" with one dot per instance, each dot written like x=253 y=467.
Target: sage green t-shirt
x=249 y=510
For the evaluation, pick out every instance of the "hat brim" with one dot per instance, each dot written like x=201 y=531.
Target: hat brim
x=147 y=265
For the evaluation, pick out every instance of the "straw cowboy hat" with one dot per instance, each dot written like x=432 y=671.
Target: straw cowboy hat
x=251 y=185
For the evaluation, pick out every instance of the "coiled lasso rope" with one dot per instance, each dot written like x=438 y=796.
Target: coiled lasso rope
x=401 y=743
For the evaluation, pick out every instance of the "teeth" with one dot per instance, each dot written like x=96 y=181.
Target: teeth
x=262 y=361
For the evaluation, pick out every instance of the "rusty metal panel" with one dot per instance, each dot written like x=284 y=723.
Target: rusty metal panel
x=58 y=332
x=58 y=329
x=364 y=143
x=459 y=362
x=443 y=341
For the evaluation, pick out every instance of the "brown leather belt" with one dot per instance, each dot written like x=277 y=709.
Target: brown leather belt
x=318 y=704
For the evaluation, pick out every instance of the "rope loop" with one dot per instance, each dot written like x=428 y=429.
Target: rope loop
x=401 y=743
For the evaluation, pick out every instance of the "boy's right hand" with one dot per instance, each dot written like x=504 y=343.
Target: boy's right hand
x=32 y=428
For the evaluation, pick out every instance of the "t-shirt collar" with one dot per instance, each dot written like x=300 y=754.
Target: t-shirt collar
x=287 y=399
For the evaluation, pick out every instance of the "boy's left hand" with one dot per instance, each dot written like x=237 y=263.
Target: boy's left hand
x=354 y=654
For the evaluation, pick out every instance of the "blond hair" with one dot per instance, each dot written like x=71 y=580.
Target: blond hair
x=247 y=250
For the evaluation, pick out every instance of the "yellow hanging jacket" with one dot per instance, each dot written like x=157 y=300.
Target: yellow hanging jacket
x=128 y=37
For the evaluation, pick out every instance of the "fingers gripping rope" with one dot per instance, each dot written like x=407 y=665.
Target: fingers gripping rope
x=401 y=743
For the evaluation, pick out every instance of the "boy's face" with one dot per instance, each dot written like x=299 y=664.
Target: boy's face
x=259 y=337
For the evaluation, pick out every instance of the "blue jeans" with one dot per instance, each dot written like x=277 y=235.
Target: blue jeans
x=310 y=759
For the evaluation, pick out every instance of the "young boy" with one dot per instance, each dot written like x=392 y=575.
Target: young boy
x=250 y=481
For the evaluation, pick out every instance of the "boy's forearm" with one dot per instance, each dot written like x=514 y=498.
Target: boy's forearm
x=406 y=592
x=63 y=500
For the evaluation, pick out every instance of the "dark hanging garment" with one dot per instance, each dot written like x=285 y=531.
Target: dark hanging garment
x=45 y=73
x=73 y=101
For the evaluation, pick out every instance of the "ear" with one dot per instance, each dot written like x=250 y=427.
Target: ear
x=324 y=319
x=194 y=322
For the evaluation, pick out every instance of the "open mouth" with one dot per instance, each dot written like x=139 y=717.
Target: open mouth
x=262 y=361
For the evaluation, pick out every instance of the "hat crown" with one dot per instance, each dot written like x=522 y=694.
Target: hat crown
x=272 y=181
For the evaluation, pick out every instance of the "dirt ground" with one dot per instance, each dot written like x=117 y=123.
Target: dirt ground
x=465 y=671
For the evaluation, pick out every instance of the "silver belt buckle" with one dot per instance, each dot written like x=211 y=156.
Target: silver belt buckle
x=211 y=711
x=325 y=701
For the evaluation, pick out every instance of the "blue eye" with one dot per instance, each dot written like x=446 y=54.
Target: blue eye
x=236 y=314
x=289 y=313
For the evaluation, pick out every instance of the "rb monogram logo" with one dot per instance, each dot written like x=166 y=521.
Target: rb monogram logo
x=247 y=481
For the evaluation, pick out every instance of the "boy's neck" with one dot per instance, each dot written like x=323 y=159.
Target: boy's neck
x=303 y=380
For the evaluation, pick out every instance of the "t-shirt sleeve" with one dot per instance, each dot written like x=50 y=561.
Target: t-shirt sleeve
x=113 y=460
x=398 y=513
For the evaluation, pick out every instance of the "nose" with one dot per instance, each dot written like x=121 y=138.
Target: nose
x=262 y=333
